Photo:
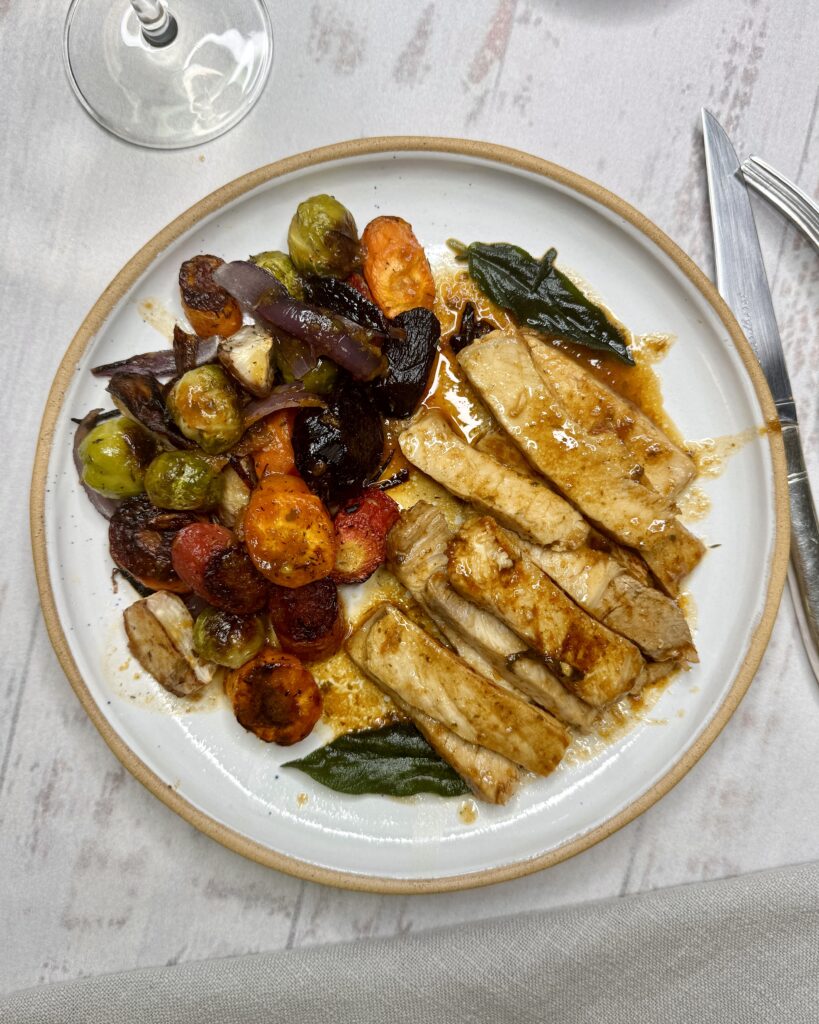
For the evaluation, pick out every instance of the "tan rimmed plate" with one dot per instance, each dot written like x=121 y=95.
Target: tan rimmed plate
x=228 y=784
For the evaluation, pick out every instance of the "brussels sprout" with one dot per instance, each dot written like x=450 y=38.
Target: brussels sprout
x=322 y=378
x=227 y=639
x=281 y=267
x=323 y=238
x=182 y=481
x=114 y=457
x=206 y=409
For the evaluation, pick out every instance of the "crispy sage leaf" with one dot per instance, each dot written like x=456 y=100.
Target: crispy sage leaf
x=393 y=761
x=540 y=296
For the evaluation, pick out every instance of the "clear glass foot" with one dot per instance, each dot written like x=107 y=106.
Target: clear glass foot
x=168 y=76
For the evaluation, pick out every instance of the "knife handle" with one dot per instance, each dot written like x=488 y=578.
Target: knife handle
x=804 y=540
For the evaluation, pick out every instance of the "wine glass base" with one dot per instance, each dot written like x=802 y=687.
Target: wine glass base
x=174 y=96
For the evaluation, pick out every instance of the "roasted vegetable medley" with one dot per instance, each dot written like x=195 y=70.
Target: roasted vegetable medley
x=245 y=472
x=238 y=469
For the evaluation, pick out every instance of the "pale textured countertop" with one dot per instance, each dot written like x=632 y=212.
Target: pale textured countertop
x=96 y=874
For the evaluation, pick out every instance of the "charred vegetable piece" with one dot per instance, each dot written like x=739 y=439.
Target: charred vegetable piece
x=361 y=527
x=270 y=442
x=246 y=357
x=185 y=347
x=542 y=297
x=275 y=697
x=355 y=348
x=140 y=537
x=395 y=266
x=323 y=238
x=205 y=407
x=114 y=457
x=215 y=566
x=409 y=361
x=289 y=536
x=161 y=363
x=339 y=448
x=227 y=639
x=309 y=621
x=160 y=636
x=139 y=397
x=281 y=267
x=356 y=280
x=469 y=328
x=208 y=307
x=249 y=284
x=183 y=481
x=346 y=300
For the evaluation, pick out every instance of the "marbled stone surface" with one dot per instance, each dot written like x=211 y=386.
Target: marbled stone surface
x=96 y=873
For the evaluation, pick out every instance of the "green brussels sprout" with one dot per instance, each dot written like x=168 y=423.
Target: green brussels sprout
x=114 y=457
x=323 y=238
x=206 y=409
x=227 y=639
x=322 y=378
x=281 y=266
x=182 y=481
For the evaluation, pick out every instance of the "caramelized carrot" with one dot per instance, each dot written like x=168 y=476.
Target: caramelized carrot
x=395 y=266
x=275 y=697
x=289 y=536
x=208 y=307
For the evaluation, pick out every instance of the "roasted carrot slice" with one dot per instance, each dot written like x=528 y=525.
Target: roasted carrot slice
x=274 y=696
x=361 y=527
x=395 y=266
x=309 y=621
x=214 y=565
x=289 y=537
x=208 y=307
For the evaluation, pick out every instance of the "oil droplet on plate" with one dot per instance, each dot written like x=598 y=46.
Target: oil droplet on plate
x=468 y=812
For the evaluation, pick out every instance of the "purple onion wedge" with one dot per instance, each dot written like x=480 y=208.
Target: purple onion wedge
x=248 y=284
x=286 y=396
x=352 y=347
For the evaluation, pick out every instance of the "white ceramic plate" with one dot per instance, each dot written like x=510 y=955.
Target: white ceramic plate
x=223 y=779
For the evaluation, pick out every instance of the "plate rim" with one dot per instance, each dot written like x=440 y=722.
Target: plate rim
x=126 y=278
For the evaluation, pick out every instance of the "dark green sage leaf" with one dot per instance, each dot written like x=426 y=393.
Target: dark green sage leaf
x=393 y=761
x=540 y=296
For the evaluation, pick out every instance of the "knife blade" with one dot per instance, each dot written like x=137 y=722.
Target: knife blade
x=742 y=282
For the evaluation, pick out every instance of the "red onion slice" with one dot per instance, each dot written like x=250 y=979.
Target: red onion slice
x=286 y=396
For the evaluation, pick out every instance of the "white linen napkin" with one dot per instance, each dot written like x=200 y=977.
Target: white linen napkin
x=730 y=952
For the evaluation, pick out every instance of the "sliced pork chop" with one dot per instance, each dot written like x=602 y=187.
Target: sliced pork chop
x=417 y=556
x=406 y=661
x=488 y=567
x=600 y=409
x=517 y=500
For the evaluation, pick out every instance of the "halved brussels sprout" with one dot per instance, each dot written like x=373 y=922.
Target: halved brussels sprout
x=323 y=238
x=206 y=409
x=182 y=481
x=114 y=457
x=227 y=639
x=281 y=267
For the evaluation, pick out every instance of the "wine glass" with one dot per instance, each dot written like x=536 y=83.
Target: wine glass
x=167 y=75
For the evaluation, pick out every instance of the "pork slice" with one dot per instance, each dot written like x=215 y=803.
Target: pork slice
x=519 y=501
x=488 y=567
x=406 y=661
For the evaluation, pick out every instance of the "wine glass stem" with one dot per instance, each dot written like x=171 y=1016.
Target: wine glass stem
x=159 y=26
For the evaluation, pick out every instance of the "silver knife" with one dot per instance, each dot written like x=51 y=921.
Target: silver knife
x=742 y=283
